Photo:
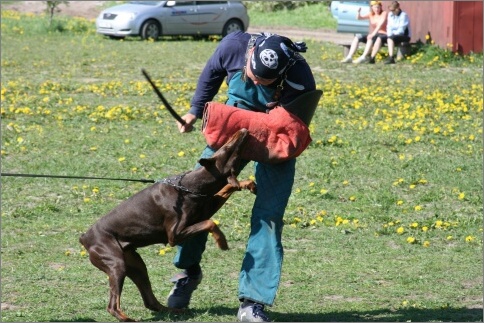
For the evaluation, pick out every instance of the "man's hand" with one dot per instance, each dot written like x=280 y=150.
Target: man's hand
x=190 y=120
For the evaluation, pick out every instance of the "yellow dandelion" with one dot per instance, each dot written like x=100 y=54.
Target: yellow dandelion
x=311 y=184
x=83 y=253
x=67 y=253
x=461 y=196
x=449 y=238
x=87 y=200
x=345 y=182
x=352 y=198
x=181 y=154
x=418 y=208
x=126 y=141
x=411 y=186
x=217 y=222
x=312 y=222
x=414 y=225
x=95 y=190
x=400 y=230
x=93 y=148
x=470 y=239
x=142 y=156
x=411 y=240
x=425 y=228
x=399 y=202
x=323 y=191
x=426 y=244
x=121 y=159
x=162 y=252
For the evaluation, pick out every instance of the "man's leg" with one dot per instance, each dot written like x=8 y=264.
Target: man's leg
x=188 y=257
x=262 y=264
x=391 y=50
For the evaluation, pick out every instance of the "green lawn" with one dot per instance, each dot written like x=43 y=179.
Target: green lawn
x=385 y=219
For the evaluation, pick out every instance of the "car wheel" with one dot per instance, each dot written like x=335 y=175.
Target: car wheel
x=151 y=29
x=231 y=26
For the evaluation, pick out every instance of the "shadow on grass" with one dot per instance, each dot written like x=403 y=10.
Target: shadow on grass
x=384 y=315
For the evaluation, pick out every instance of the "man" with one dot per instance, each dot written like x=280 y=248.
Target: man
x=262 y=71
x=398 y=30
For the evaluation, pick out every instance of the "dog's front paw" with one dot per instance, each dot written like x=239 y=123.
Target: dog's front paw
x=249 y=185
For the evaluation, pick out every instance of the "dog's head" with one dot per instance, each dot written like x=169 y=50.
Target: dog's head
x=226 y=161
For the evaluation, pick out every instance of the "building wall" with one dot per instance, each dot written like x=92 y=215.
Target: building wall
x=456 y=25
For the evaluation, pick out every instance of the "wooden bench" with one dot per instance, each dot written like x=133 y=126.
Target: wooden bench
x=403 y=50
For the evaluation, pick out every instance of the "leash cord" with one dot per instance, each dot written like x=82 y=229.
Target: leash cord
x=80 y=177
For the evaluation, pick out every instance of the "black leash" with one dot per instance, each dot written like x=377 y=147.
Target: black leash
x=80 y=177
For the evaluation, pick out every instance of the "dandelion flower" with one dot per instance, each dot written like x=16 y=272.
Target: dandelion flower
x=414 y=225
x=470 y=239
x=411 y=240
x=121 y=159
x=400 y=230
x=399 y=202
x=418 y=208
x=181 y=154
x=425 y=228
x=461 y=196
x=426 y=244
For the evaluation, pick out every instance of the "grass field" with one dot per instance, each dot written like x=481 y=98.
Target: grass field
x=385 y=219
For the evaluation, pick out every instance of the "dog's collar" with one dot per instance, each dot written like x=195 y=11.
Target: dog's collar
x=171 y=181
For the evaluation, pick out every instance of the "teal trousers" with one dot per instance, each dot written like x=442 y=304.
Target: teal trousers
x=262 y=264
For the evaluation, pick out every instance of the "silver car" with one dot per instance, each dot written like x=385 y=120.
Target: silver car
x=345 y=13
x=152 y=19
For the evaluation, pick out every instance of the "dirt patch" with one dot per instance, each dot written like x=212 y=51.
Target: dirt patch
x=91 y=9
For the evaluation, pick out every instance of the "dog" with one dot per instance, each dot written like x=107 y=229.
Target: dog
x=169 y=212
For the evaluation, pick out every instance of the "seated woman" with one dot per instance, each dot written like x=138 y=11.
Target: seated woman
x=378 y=22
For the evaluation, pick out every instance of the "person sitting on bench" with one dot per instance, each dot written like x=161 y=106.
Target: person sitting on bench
x=398 y=31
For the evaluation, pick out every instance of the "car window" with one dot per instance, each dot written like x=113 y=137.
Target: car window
x=184 y=3
x=211 y=2
x=149 y=3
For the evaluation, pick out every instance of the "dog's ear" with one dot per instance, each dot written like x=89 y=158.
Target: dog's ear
x=206 y=162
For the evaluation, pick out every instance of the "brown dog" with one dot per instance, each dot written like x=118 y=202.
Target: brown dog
x=169 y=211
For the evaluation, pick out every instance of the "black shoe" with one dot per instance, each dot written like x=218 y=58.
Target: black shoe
x=181 y=293
x=372 y=60
x=390 y=60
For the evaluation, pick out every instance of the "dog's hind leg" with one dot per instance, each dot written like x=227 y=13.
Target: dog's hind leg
x=107 y=255
x=137 y=272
